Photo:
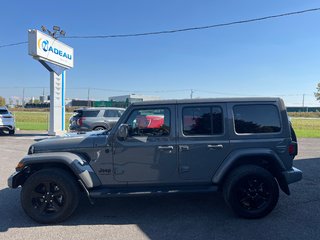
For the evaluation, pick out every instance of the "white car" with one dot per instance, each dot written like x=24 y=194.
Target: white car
x=7 y=122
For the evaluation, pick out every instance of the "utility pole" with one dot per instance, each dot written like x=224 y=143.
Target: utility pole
x=23 y=97
x=191 y=93
x=88 y=97
x=303 y=100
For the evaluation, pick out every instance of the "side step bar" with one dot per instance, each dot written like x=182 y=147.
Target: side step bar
x=113 y=192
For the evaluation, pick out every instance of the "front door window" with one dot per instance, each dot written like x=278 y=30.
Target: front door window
x=149 y=123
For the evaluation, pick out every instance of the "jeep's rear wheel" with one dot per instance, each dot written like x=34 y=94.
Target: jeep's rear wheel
x=50 y=195
x=251 y=191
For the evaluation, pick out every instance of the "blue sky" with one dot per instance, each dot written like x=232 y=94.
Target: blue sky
x=279 y=57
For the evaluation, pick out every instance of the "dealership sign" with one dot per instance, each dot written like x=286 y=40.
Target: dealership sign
x=46 y=48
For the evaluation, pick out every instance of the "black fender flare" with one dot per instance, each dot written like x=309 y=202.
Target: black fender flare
x=237 y=157
x=81 y=169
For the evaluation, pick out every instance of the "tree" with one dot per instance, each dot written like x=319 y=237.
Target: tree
x=2 y=101
x=317 y=94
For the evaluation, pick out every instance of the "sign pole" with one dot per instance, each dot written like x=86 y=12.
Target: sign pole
x=57 y=103
x=56 y=57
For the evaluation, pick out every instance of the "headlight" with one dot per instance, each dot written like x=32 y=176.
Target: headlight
x=31 y=150
x=19 y=166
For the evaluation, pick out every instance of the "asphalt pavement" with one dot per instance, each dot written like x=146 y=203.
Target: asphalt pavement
x=187 y=216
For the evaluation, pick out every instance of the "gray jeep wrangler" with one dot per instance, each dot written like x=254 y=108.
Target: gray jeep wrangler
x=242 y=146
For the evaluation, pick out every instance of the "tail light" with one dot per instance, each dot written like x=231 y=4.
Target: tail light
x=80 y=121
x=293 y=149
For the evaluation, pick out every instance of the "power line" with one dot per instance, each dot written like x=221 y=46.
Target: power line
x=13 y=44
x=199 y=28
x=193 y=90
x=180 y=30
x=140 y=91
x=224 y=93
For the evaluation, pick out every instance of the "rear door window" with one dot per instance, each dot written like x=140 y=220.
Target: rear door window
x=256 y=118
x=111 y=113
x=202 y=121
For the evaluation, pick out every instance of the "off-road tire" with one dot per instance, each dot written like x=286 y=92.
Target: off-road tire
x=50 y=195
x=251 y=191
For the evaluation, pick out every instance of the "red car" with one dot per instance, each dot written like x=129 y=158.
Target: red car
x=150 y=121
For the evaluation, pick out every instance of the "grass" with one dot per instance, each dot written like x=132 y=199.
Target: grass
x=305 y=114
x=305 y=128
x=35 y=120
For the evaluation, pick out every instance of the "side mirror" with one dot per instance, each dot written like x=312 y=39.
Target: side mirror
x=123 y=131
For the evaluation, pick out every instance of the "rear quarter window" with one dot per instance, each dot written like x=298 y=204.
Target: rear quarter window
x=90 y=113
x=256 y=118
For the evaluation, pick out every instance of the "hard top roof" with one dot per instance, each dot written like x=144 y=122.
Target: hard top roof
x=97 y=108
x=209 y=100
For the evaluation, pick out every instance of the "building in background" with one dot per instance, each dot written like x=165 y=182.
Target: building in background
x=131 y=98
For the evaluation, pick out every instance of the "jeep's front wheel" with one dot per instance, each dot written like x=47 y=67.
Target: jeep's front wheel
x=251 y=191
x=50 y=195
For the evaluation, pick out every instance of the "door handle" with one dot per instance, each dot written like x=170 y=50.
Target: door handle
x=215 y=146
x=183 y=148
x=165 y=148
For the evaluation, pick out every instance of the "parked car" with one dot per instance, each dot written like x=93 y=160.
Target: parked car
x=7 y=122
x=88 y=119
x=242 y=147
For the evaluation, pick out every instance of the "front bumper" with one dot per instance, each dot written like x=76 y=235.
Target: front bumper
x=16 y=179
x=6 y=127
x=292 y=175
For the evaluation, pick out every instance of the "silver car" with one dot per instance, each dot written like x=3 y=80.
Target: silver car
x=88 y=119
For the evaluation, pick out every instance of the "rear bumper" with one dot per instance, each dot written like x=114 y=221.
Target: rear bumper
x=292 y=175
x=77 y=128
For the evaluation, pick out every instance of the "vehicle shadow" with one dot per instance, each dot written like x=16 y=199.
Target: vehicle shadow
x=191 y=216
x=24 y=134
x=141 y=210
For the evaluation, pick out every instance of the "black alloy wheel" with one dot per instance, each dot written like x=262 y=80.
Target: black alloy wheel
x=50 y=195
x=48 y=198
x=251 y=191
